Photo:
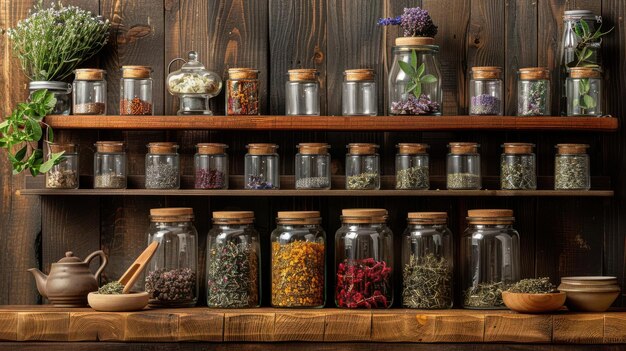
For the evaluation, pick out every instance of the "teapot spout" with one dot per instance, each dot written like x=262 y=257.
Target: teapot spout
x=41 y=280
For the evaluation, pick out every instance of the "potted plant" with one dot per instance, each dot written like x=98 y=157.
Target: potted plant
x=537 y=295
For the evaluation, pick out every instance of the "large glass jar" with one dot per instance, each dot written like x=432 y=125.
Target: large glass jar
x=90 y=92
x=65 y=174
x=362 y=167
x=427 y=261
x=584 y=91
x=162 y=166
x=463 y=167
x=233 y=271
x=313 y=166
x=136 y=91
x=242 y=92
x=109 y=165
x=194 y=85
x=571 y=167
x=359 y=94
x=364 y=260
x=415 y=86
x=211 y=166
x=533 y=92
x=490 y=251
x=485 y=91
x=62 y=92
x=518 y=167
x=171 y=274
x=261 y=167
x=298 y=256
x=302 y=93
x=412 y=170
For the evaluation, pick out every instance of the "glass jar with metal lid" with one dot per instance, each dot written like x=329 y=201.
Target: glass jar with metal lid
x=364 y=260
x=136 y=91
x=65 y=174
x=194 y=85
x=90 y=92
x=298 y=260
x=490 y=252
x=571 y=167
x=463 y=166
x=533 y=92
x=362 y=167
x=171 y=275
x=313 y=166
x=302 y=93
x=109 y=165
x=359 y=94
x=233 y=261
x=261 y=167
x=518 y=167
x=485 y=91
x=211 y=166
x=412 y=170
x=62 y=92
x=584 y=91
x=242 y=92
x=427 y=261
x=162 y=166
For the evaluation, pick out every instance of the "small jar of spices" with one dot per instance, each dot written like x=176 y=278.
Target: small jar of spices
x=65 y=174
x=90 y=92
x=162 y=166
x=412 y=170
x=463 y=166
x=313 y=166
x=109 y=165
x=261 y=167
x=571 y=167
x=518 y=167
x=136 y=90
x=485 y=91
x=211 y=166
x=242 y=92
x=533 y=92
x=362 y=167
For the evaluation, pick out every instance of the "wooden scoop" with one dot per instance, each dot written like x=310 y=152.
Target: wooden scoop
x=132 y=273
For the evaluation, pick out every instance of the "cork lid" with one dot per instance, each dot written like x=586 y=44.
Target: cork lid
x=427 y=217
x=490 y=216
x=364 y=215
x=571 y=149
x=359 y=74
x=518 y=148
x=302 y=74
x=136 y=71
x=411 y=148
x=534 y=73
x=261 y=149
x=313 y=148
x=362 y=148
x=171 y=214
x=89 y=74
x=298 y=217
x=486 y=72
x=243 y=73
x=585 y=72
x=162 y=148
x=408 y=41
x=109 y=146
x=233 y=217
x=459 y=148
x=211 y=148
x=67 y=148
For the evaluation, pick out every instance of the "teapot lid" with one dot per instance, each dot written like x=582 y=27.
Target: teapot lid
x=70 y=258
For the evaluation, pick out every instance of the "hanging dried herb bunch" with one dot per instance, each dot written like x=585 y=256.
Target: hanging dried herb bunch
x=533 y=286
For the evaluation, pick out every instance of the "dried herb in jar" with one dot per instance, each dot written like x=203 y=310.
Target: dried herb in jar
x=242 y=97
x=232 y=276
x=62 y=179
x=427 y=283
x=415 y=177
x=297 y=274
x=485 y=295
x=161 y=176
x=518 y=173
x=313 y=183
x=534 y=103
x=135 y=107
x=362 y=181
x=571 y=172
x=533 y=286
x=463 y=181
x=363 y=283
x=210 y=179
x=112 y=288
x=485 y=104
x=171 y=286
x=258 y=183
x=89 y=108
x=110 y=181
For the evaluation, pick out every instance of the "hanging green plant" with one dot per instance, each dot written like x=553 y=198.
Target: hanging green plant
x=584 y=51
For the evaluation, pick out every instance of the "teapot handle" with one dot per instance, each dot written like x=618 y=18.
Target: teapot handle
x=103 y=261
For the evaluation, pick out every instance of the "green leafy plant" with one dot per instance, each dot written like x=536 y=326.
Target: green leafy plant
x=583 y=50
x=585 y=101
x=416 y=74
x=22 y=130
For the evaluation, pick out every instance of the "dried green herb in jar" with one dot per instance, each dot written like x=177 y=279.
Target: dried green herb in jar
x=463 y=181
x=533 y=286
x=162 y=176
x=112 y=288
x=363 y=181
x=485 y=295
x=416 y=177
x=427 y=283
x=518 y=173
x=571 y=172
x=232 y=276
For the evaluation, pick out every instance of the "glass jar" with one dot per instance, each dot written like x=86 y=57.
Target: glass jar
x=490 y=250
x=90 y=92
x=418 y=91
x=136 y=91
x=533 y=92
x=171 y=274
x=362 y=167
x=427 y=261
x=162 y=166
x=571 y=167
x=211 y=166
x=359 y=94
x=194 y=85
x=302 y=93
x=65 y=174
x=109 y=165
x=518 y=167
x=233 y=260
x=364 y=260
x=298 y=256
x=62 y=92
x=242 y=92
x=485 y=91
x=313 y=166
x=261 y=167
x=584 y=91
x=463 y=167
x=412 y=170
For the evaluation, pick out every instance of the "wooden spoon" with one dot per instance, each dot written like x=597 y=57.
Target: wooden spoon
x=132 y=273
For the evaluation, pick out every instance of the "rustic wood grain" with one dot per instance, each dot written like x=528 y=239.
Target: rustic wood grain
x=550 y=26
x=97 y=326
x=353 y=326
x=201 y=326
x=299 y=325
x=614 y=327
x=8 y=326
x=44 y=326
x=578 y=328
x=151 y=326
x=513 y=327
x=249 y=326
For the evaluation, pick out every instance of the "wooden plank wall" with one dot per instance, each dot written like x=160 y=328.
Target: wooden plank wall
x=559 y=237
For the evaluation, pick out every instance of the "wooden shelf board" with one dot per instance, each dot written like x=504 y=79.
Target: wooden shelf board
x=335 y=123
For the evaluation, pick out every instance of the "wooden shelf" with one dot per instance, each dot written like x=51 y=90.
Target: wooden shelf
x=336 y=123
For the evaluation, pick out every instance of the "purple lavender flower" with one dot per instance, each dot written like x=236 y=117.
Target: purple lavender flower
x=414 y=106
x=485 y=104
x=417 y=23
x=390 y=21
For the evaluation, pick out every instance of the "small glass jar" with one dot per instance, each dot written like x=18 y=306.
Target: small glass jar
x=194 y=85
x=427 y=261
x=313 y=166
x=136 y=91
x=518 y=167
x=242 y=92
x=359 y=94
x=90 y=92
x=172 y=273
x=463 y=167
x=418 y=90
x=364 y=260
x=302 y=93
x=62 y=92
x=109 y=165
x=571 y=167
x=211 y=166
x=412 y=170
x=298 y=260
x=162 y=166
x=485 y=91
x=65 y=174
x=583 y=87
x=233 y=270
x=362 y=167
x=261 y=167
x=533 y=92
x=490 y=251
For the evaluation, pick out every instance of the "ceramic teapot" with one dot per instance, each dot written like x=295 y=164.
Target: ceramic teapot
x=70 y=280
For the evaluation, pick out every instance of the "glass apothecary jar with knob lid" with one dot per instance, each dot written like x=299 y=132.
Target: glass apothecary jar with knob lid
x=412 y=166
x=313 y=166
x=211 y=166
x=463 y=166
x=162 y=166
x=194 y=85
x=261 y=167
x=109 y=165
x=302 y=93
x=65 y=174
x=486 y=92
x=359 y=94
x=136 y=91
x=362 y=167
x=90 y=92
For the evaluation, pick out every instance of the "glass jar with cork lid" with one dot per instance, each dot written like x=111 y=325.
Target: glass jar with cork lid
x=211 y=166
x=490 y=251
x=313 y=166
x=485 y=91
x=233 y=261
x=533 y=92
x=571 y=167
x=90 y=92
x=136 y=91
x=242 y=92
x=162 y=166
x=463 y=166
x=109 y=165
x=359 y=94
x=518 y=167
x=261 y=167
x=412 y=169
x=298 y=260
x=302 y=93
x=362 y=167
x=65 y=174
x=583 y=89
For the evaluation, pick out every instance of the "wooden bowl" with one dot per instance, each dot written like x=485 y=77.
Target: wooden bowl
x=118 y=303
x=533 y=303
